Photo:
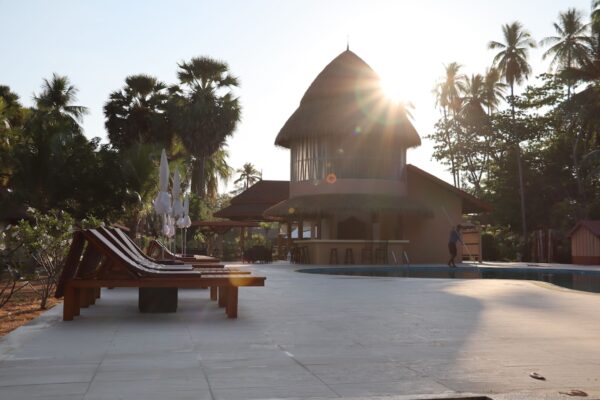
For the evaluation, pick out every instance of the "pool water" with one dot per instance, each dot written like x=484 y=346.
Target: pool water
x=587 y=281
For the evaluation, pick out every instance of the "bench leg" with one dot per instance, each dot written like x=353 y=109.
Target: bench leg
x=98 y=292
x=84 y=298
x=69 y=302
x=76 y=307
x=213 y=293
x=222 y=296
x=92 y=296
x=232 y=302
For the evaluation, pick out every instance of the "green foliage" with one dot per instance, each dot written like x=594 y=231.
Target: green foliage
x=248 y=175
x=136 y=114
x=45 y=238
x=203 y=111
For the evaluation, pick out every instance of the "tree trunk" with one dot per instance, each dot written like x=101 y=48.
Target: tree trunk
x=580 y=188
x=450 y=148
x=198 y=178
x=520 y=171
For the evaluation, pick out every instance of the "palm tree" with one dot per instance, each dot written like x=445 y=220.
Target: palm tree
x=475 y=123
x=595 y=24
x=216 y=169
x=512 y=62
x=570 y=48
x=204 y=111
x=57 y=98
x=249 y=175
x=137 y=113
x=474 y=97
x=494 y=89
x=11 y=111
x=448 y=98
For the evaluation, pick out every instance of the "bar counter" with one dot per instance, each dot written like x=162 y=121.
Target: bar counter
x=320 y=251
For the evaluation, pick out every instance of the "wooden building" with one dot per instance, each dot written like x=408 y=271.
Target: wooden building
x=585 y=243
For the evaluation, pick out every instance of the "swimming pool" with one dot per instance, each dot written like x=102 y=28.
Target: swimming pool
x=587 y=281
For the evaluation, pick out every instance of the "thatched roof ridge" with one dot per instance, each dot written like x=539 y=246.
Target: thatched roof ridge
x=345 y=97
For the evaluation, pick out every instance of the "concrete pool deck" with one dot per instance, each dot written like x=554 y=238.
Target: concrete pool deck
x=320 y=337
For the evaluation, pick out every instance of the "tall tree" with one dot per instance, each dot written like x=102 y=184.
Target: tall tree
x=494 y=89
x=449 y=100
x=571 y=45
x=512 y=62
x=57 y=97
x=137 y=114
x=216 y=169
x=204 y=111
x=248 y=175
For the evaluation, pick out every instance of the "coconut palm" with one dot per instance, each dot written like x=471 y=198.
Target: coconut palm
x=448 y=99
x=512 y=62
x=474 y=97
x=512 y=59
x=494 y=89
x=249 y=175
x=57 y=97
x=216 y=169
x=204 y=111
x=595 y=24
x=137 y=113
x=570 y=48
x=11 y=111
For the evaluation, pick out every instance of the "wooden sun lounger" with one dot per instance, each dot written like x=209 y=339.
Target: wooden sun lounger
x=126 y=244
x=158 y=250
x=94 y=262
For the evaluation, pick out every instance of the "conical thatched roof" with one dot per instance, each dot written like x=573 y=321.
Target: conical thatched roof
x=346 y=97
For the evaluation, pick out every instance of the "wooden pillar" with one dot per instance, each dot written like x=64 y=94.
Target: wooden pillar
x=242 y=234
x=289 y=236
x=320 y=228
x=280 y=254
x=301 y=229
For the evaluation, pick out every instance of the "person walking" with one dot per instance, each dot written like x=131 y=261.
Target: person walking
x=454 y=238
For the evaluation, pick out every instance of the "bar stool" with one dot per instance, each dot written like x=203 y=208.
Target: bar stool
x=349 y=256
x=366 y=255
x=380 y=256
x=333 y=256
x=304 y=258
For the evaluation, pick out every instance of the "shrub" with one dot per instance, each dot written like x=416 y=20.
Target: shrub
x=45 y=239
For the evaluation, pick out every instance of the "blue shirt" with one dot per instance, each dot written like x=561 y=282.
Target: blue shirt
x=454 y=237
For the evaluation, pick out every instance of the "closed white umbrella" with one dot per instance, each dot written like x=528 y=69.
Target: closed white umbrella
x=176 y=193
x=162 y=202
x=184 y=221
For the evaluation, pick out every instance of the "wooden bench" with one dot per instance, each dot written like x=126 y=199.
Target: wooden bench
x=94 y=262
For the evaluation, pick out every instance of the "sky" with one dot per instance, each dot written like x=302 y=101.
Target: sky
x=275 y=47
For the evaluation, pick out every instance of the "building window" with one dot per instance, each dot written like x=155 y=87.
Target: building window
x=313 y=159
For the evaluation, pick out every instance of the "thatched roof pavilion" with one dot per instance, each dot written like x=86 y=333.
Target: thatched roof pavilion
x=345 y=97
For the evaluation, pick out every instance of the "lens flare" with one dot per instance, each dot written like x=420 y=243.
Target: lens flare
x=331 y=178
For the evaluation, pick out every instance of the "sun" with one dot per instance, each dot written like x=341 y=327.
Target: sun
x=392 y=88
